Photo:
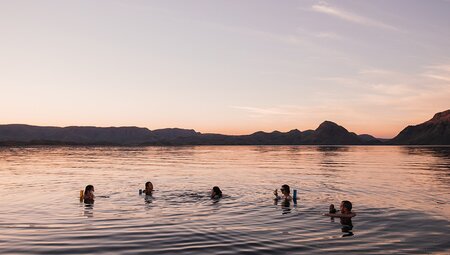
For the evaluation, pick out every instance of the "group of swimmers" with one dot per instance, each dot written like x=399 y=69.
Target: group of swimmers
x=345 y=214
x=345 y=207
x=88 y=196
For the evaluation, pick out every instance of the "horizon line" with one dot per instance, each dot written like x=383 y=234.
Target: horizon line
x=201 y=132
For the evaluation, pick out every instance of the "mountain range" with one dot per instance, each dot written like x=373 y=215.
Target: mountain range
x=436 y=131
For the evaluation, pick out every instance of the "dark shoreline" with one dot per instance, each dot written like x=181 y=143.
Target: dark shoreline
x=435 y=131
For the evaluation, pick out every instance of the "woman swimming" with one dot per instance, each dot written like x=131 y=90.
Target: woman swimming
x=148 y=188
x=88 y=195
x=285 y=193
x=216 y=193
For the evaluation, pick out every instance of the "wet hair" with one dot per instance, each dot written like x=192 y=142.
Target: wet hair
x=286 y=188
x=88 y=189
x=217 y=192
x=347 y=205
x=332 y=209
x=148 y=192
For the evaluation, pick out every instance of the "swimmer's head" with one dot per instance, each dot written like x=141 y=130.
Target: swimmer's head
x=89 y=189
x=346 y=206
x=285 y=189
x=149 y=186
x=216 y=192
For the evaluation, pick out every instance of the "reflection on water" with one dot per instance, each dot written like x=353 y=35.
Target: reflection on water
x=285 y=205
x=347 y=226
x=401 y=196
x=148 y=199
x=89 y=210
x=440 y=167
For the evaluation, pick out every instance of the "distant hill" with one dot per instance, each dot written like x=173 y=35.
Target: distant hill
x=371 y=139
x=25 y=134
x=173 y=133
x=433 y=132
x=328 y=133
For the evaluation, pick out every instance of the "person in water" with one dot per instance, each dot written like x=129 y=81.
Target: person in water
x=148 y=188
x=216 y=193
x=88 y=195
x=345 y=216
x=285 y=193
x=332 y=209
x=346 y=210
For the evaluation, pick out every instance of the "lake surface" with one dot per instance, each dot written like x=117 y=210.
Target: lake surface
x=401 y=196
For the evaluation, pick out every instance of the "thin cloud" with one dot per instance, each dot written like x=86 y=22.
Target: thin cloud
x=445 y=68
x=351 y=17
x=283 y=38
x=376 y=71
x=437 y=77
x=392 y=89
x=263 y=111
x=438 y=72
x=340 y=80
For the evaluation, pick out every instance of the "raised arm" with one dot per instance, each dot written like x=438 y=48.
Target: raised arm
x=275 y=193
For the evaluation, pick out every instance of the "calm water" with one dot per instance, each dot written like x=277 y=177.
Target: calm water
x=401 y=196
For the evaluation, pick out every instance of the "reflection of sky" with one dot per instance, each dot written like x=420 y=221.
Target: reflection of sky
x=439 y=165
x=227 y=66
x=398 y=193
x=410 y=178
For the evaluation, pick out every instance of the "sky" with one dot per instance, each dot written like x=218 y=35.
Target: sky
x=231 y=66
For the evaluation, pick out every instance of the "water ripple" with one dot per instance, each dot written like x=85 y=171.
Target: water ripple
x=401 y=195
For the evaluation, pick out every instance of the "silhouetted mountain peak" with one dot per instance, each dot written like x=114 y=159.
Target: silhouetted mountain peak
x=369 y=139
x=294 y=132
x=330 y=133
x=435 y=131
x=329 y=126
x=440 y=117
x=259 y=133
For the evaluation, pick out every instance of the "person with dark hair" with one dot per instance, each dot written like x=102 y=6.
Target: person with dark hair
x=148 y=188
x=216 y=193
x=346 y=210
x=332 y=209
x=346 y=207
x=88 y=195
x=346 y=222
x=285 y=193
x=345 y=216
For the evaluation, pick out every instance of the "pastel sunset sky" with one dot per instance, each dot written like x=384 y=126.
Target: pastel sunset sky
x=231 y=66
